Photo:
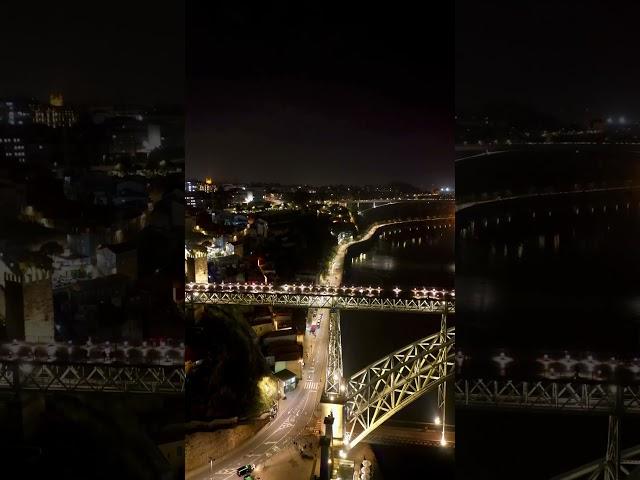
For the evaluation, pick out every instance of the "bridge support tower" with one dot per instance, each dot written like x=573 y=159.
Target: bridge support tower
x=442 y=373
x=612 y=458
x=334 y=386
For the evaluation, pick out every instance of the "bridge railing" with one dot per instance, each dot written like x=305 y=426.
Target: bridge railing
x=345 y=298
x=44 y=377
x=546 y=395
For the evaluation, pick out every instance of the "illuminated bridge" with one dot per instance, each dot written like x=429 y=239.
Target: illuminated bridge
x=148 y=367
x=373 y=395
x=322 y=296
x=385 y=387
x=86 y=377
x=579 y=396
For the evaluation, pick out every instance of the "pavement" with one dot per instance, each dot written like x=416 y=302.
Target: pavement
x=274 y=443
x=272 y=449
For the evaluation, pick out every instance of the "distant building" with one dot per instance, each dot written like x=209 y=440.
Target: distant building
x=84 y=242
x=121 y=258
x=70 y=268
x=55 y=114
x=192 y=186
x=15 y=112
x=259 y=227
x=12 y=149
x=196 y=199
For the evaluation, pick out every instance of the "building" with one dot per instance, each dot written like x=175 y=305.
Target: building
x=15 y=112
x=208 y=185
x=70 y=268
x=12 y=149
x=128 y=136
x=192 y=186
x=198 y=199
x=84 y=242
x=28 y=303
x=195 y=266
x=283 y=349
x=121 y=258
x=54 y=114
x=287 y=381
x=262 y=325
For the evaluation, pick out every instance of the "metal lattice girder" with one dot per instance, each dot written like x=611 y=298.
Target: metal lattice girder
x=612 y=458
x=335 y=374
x=442 y=388
x=386 y=386
x=304 y=300
x=629 y=463
x=92 y=378
x=546 y=395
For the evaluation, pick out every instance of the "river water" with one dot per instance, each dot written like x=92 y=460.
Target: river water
x=407 y=256
x=552 y=274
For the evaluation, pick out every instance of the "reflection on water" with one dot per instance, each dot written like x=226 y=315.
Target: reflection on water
x=550 y=273
x=546 y=286
x=414 y=255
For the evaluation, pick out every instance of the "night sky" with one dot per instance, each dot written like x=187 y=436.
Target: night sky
x=301 y=94
x=92 y=52
x=573 y=59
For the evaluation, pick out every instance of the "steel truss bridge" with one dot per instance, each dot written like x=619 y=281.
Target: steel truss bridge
x=17 y=376
x=383 y=388
x=571 y=396
x=322 y=296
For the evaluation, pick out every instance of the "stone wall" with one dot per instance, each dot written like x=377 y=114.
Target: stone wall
x=200 y=446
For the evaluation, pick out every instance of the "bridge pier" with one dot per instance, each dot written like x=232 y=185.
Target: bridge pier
x=612 y=459
x=334 y=407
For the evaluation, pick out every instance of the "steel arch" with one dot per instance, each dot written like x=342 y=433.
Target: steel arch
x=383 y=388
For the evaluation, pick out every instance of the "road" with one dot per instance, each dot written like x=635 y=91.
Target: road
x=297 y=411
x=294 y=413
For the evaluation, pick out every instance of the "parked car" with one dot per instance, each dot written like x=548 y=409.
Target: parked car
x=245 y=470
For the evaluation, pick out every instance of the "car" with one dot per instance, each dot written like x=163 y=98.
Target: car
x=245 y=470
